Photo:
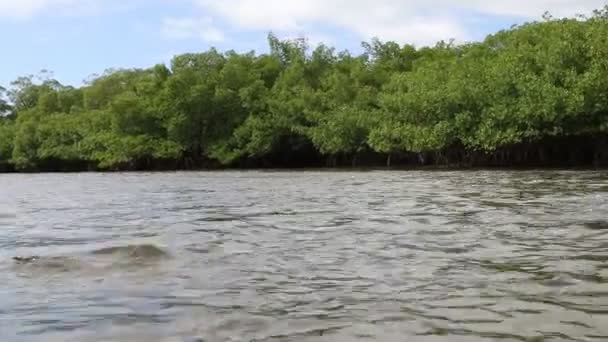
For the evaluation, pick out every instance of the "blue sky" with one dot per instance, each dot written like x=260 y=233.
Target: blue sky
x=77 y=38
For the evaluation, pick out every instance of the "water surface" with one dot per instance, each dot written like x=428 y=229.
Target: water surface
x=305 y=256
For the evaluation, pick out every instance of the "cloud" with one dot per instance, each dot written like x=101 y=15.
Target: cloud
x=191 y=28
x=26 y=8
x=415 y=21
x=533 y=8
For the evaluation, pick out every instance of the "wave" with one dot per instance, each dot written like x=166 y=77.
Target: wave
x=98 y=260
x=133 y=251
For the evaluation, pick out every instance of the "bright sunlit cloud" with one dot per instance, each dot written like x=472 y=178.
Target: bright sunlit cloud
x=414 y=21
x=188 y=28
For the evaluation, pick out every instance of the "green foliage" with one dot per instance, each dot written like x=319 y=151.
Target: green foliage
x=5 y=108
x=531 y=82
x=59 y=138
x=343 y=130
x=25 y=146
x=7 y=137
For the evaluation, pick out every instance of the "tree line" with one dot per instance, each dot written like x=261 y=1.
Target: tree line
x=534 y=94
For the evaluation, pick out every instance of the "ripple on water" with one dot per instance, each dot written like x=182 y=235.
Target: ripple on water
x=305 y=256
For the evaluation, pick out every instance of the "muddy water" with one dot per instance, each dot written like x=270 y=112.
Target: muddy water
x=305 y=256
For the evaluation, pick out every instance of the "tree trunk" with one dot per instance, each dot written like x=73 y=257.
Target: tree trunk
x=332 y=161
x=541 y=155
x=421 y=158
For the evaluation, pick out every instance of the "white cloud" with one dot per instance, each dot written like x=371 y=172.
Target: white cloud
x=533 y=8
x=189 y=28
x=415 y=21
x=26 y=8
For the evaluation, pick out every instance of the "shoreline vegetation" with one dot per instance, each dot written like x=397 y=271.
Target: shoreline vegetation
x=534 y=95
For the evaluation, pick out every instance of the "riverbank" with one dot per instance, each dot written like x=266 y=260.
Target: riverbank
x=581 y=152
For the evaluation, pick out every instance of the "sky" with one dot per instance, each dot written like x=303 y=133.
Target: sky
x=78 y=38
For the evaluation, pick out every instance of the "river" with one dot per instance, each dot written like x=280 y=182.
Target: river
x=304 y=256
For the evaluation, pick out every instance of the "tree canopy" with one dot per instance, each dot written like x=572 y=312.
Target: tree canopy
x=520 y=91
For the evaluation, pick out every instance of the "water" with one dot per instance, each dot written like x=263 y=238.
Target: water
x=305 y=256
